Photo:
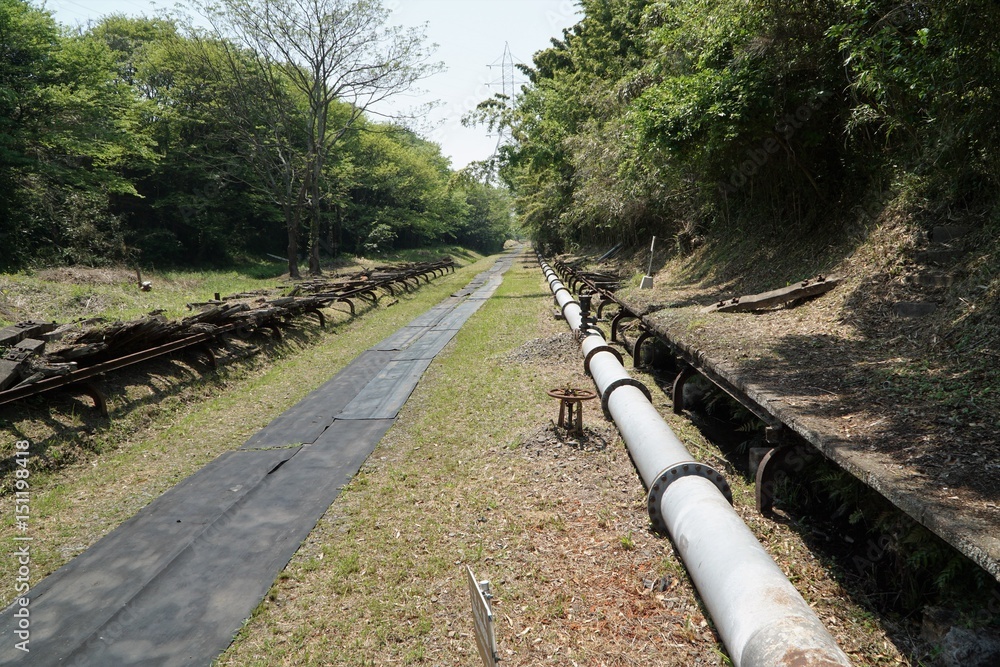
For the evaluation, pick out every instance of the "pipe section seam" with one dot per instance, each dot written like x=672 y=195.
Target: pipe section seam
x=568 y=303
x=603 y=348
x=622 y=382
x=672 y=474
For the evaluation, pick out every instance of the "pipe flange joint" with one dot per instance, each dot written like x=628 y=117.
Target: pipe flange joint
x=622 y=382
x=563 y=309
x=602 y=348
x=670 y=475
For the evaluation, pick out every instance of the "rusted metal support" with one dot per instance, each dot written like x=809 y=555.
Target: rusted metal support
x=617 y=320
x=367 y=294
x=677 y=391
x=94 y=392
x=637 y=348
x=319 y=315
x=206 y=351
x=349 y=303
x=775 y=469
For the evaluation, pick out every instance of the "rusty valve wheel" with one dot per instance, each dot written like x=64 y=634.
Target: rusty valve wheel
x=570 y=401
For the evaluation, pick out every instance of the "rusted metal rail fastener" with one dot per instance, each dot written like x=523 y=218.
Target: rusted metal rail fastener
x=570 y=401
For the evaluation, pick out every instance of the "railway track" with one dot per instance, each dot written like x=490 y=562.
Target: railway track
x=82 y=352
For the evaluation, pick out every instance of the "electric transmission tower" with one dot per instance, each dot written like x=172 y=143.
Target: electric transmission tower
x=508 y=83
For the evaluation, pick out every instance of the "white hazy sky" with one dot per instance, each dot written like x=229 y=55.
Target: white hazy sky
x=470 y=35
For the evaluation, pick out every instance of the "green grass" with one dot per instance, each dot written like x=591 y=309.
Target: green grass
x=37 y=296
x=146 y=448
x=64 y=294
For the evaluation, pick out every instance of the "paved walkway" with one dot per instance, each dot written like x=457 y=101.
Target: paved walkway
x=173 y=584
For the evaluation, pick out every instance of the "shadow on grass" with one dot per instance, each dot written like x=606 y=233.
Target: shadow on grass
x=138 y=395
x=928 y=412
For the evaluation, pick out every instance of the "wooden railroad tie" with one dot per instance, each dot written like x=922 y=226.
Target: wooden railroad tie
x=805 y=289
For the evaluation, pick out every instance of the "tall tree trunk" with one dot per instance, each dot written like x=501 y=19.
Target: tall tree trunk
x=314 y=242
x=292 y=224
x=316 y=205
x=333 y=231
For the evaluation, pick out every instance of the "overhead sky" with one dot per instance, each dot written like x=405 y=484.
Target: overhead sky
x=471 y=36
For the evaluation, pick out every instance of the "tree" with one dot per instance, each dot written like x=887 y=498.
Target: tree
x=28 y=37
x=197 y=200
x=68 y=125
x=337 y=58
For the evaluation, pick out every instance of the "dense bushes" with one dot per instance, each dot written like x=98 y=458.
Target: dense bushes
x=674 y=117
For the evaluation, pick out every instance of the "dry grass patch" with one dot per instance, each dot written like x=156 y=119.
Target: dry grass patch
x=474 y=473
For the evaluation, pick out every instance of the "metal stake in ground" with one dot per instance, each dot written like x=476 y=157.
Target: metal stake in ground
x=569 y=400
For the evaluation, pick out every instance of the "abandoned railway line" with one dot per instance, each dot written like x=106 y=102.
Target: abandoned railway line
x=531 y=634
x=89 y=350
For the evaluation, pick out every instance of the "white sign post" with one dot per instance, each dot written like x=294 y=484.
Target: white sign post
x=482 y=615
x=647 y=280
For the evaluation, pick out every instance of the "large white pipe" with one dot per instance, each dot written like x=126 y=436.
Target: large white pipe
x=761 y=617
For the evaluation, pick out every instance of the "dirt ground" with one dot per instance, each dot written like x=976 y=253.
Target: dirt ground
x=920 y=389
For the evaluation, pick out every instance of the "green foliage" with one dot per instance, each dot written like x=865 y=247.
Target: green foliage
x=402 y=193
x=70 y=127
x=696 y=117
x=140 y=140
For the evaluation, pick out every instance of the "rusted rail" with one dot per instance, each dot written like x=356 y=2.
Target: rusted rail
x=104 y=349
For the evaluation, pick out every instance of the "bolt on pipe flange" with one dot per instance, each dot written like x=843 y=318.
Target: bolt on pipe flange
x=602 y=348
x=622 y=382
x=670 y=475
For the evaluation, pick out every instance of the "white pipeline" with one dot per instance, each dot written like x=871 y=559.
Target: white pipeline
x=761 y=617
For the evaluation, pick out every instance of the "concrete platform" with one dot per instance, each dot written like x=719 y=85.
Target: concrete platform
x=963 y=517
